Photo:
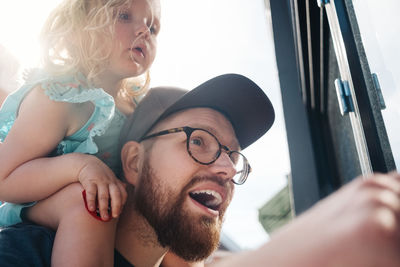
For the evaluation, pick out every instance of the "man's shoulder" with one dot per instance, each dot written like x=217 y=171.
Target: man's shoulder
x=120 y=261
x=27 y=227
x=25 y=244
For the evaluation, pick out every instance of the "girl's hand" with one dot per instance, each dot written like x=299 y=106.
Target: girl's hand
x=99 y=181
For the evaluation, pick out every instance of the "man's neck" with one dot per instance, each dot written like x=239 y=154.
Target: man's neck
x=136 y=240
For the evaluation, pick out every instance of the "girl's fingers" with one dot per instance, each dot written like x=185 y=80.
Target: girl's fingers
x=103 y=200
x=116 y=203
x=91 y=192
x=124 y=194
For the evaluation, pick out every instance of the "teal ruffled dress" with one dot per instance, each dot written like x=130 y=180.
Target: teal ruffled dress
x=99 y=136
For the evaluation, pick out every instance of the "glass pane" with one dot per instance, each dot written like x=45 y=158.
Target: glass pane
x=199 y=40
x=380 y=33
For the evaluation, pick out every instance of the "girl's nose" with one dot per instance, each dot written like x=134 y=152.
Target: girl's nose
x=142 y=29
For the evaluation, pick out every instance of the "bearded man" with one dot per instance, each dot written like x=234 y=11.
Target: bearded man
x=181 y=158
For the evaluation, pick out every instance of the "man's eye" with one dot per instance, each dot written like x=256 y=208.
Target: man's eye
x=196 y=141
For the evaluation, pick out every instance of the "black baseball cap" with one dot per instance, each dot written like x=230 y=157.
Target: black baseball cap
x=242 y=101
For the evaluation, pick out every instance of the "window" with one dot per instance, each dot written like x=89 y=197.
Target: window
x=320 y=53
x=380 y=34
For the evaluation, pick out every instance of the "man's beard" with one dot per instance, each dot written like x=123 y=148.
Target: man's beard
x=191 y=237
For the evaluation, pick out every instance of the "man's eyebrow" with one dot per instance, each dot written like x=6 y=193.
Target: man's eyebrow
x=232 y=145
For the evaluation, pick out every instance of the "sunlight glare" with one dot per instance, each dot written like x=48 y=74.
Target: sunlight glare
x=20 y=24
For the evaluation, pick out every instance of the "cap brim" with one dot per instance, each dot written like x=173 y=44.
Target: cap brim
x=241 y=100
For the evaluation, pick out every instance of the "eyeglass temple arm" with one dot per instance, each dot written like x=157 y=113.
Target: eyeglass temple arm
x=165 y=132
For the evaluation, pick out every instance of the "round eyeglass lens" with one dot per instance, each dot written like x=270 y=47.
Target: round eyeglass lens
x=203 y=146
x=242 y=168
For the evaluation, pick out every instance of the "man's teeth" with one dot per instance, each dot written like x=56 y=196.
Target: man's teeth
x=215 y=200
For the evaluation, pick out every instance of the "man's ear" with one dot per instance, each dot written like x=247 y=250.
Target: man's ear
x=130 y=157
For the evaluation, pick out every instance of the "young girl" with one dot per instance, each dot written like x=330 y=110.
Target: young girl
x=63 y=125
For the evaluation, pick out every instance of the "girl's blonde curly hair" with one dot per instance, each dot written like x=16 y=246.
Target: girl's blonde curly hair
x=78 y=34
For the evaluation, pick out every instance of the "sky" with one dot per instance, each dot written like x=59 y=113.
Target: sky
x=198 y=40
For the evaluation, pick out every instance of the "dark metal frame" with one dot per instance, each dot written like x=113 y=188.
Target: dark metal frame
x=322 y=147
x=367 y=98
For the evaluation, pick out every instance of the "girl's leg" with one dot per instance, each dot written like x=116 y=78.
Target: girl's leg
x=80 y=240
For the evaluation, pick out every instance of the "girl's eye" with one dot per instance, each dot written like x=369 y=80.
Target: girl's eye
x=124 y=17
x=153 y=30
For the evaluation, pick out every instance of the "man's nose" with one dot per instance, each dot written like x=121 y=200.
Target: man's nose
x=223 y=166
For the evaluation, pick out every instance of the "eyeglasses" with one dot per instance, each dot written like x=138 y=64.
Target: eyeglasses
x=204 y=148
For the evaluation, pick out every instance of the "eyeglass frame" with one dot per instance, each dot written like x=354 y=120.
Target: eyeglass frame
x=188 y=131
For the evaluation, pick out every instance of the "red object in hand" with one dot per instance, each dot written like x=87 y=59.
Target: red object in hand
x=96 y=213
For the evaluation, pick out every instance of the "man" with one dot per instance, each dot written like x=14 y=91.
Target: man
x=181 y=159
x=180 y=154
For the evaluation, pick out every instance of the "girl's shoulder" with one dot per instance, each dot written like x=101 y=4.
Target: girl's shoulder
x=72 y=87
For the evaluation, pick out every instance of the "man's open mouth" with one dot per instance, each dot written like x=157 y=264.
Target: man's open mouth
x=208 y=198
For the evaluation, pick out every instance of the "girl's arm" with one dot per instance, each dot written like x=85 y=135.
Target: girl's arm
x=26 y=174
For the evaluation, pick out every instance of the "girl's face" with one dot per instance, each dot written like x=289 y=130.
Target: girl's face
x=135 y=38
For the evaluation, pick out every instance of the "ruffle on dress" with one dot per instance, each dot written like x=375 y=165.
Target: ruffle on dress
x=72 y=89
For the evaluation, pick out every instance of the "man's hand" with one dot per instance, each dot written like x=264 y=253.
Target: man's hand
x=357 y=226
